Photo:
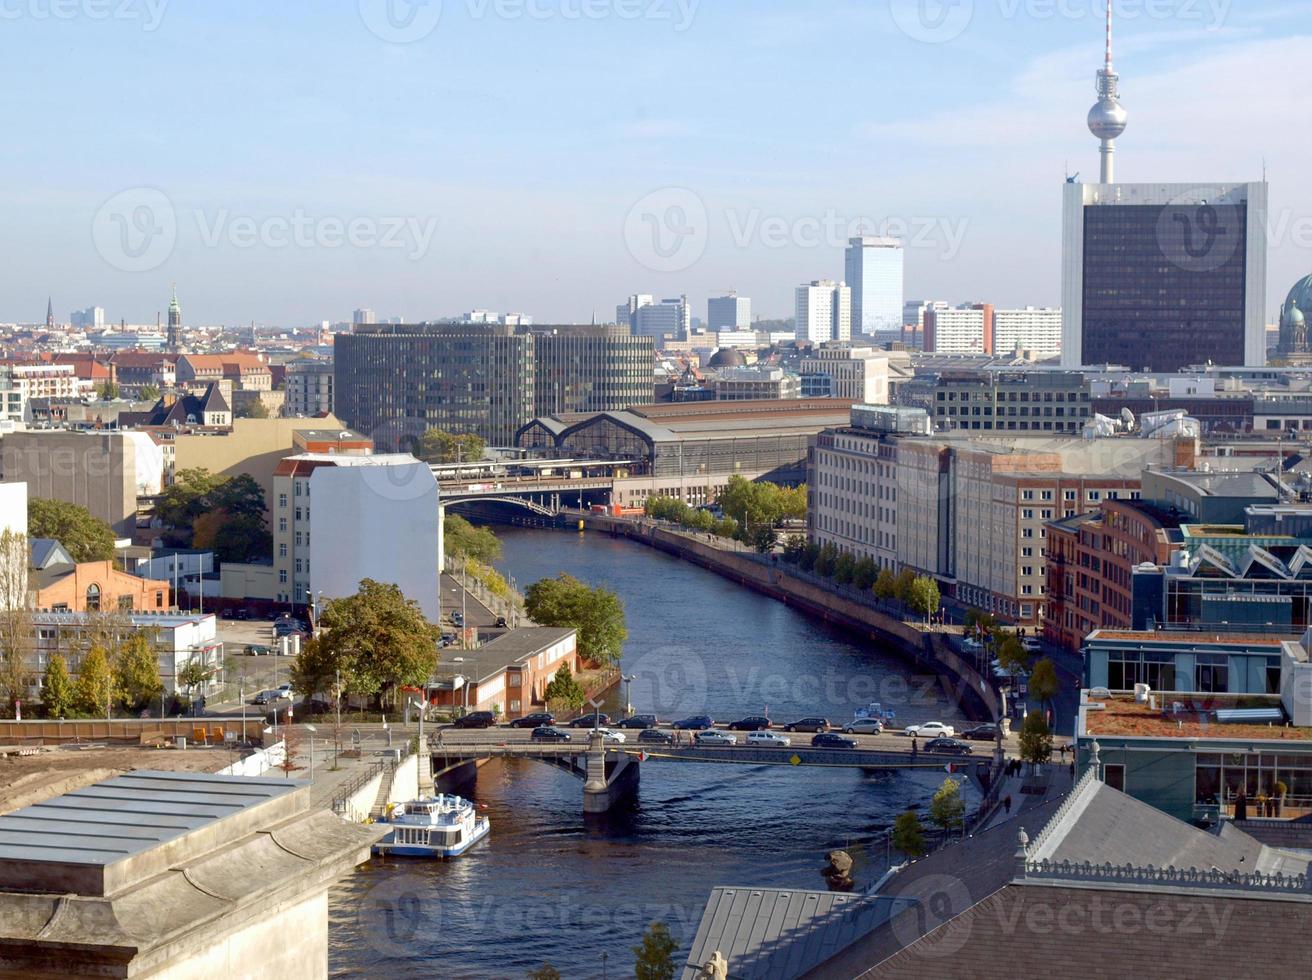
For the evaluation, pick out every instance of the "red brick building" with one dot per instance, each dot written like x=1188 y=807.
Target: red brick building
x=1091 y=562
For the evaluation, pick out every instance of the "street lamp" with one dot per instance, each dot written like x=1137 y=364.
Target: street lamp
x=311 y=729
x=628 y=704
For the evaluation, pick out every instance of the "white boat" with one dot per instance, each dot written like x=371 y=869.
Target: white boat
x=875 y=710
x=440 y=826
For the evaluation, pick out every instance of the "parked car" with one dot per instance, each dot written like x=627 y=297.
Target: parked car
x=864 y=726
x=477 y=719
x=832 y=740
x=448 y=640
x=755 y=723
x=981 y=733
x=654 y=736
x=639 y=722
x=501 y=622
x=948 y=746
x=711 y=737
x=768 y=740
x=257 y=650
x=595 y=720
x=457 y=619
x=266 y=697
x=696 y=723
x=538 y=719
x=808 y=725
x=611 y=735
x=549 y=733
x=243 y=614
x=930 y=729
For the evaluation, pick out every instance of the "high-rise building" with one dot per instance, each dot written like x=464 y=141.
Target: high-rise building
x=965 y=329
x=395 y=382
x=309 y=386
x=364 y=317
x=625 y=312
x=1033 y=329
x=175 y=321
x=874 y=271
x=857 y=374
x=92 y=318
x=731 y=312
x=824 y=311
x=670 y=318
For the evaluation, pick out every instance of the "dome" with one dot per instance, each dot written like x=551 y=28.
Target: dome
x=727 y=357
x=1107 y=120
x=1299 y=303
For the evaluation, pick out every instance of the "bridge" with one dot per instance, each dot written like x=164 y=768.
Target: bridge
x=546 y=497
x=610 y=771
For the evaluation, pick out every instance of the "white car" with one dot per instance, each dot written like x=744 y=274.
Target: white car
x=285 y=693
x=713 y=737
x=610 y=735
x=931 y=729
x=864 y=726
x=770 y=740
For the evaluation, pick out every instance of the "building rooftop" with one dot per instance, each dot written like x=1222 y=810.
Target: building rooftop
x=495 y=656
x=1123 y=716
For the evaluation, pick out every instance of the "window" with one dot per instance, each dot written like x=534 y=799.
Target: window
x=282 y=500
x=282 y=525
x=1211 y=673
x=93 y=598
x=282 y=576
x=282 y=550
x=1070 y=495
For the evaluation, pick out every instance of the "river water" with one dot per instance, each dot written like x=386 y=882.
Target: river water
x=548 y=886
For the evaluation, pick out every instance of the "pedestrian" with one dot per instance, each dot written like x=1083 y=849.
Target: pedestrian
x=1006 y=804
x=914 y=748
x=1072 y=769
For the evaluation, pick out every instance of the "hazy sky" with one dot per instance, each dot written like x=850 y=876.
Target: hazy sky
x=286 y=161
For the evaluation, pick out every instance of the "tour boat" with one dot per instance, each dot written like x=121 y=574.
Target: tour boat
x=875 y=710
x=442 y=826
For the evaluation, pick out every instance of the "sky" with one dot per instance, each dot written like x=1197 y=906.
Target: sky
x=287 y=162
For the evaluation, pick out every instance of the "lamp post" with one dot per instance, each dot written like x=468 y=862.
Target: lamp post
x=628 y=704
x=311 y=729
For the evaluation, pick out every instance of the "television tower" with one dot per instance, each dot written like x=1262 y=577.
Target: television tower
x=1107 y=119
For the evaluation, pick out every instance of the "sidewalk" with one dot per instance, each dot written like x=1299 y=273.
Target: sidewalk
x=1054 y=778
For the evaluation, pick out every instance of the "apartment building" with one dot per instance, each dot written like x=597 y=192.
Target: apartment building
x=309 y=388
x=245 y=370
x=1011 y=401
x=857 y=374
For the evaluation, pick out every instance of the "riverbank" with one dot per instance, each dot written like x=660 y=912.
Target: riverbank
x=923 y=648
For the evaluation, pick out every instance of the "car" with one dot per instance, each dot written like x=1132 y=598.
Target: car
x=864 y=726
x=930 y=729
x=808 y=725
x=266 y=697
x=639 y=722
x=981 y=733
x=768 y=740
x=500 y=623
x=549 y=733
x=477 y=719
x=457 y=619
x=755 y=723
x=711 y=737
x=596 y=720
x=697 y=723
x=948 y=746
x=290 y=627
x=832 y=740
x=448 y=640
x=257 y=650
x=610 y=735
x=1031 y=645
x=285 y=692
x=655 y=736
x=538 y=719
x=243 y=614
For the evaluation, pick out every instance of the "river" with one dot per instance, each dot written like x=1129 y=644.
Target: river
x=549 y=887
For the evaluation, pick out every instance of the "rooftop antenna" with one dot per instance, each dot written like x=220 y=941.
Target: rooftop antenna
x=1108 y=119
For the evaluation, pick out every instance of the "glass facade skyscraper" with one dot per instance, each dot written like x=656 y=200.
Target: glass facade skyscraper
x=874 y=271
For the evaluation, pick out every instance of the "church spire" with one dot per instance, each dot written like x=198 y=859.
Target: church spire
x=50 y=311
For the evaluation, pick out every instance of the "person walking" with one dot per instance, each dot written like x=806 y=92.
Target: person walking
x=1006 y=804
x=914 y=748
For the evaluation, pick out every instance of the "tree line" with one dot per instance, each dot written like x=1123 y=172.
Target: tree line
x=918 y=593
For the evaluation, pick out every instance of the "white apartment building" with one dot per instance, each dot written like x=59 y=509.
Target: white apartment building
x=732 y=312
x=874 y=269
x=309 y=386
x=364 y=317
x=960 y=330
x=824 y=311
x=1034 y=329
x=859 y=374
x=371 y=516
x=736 y=338
x=49 y=381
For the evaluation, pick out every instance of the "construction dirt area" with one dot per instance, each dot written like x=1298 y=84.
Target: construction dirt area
x=26 y=779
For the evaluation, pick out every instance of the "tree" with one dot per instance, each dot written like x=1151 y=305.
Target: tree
x=136 y=672
x=827 y=562
x=378 y=639
x=923 y=596
x=947 y=809
x=1044 y=683
x=809 y=557
x=762 y=539
x=94 y=690
x=194 y=674
x=220 y=513
x=459 y=537
x=242 y=539
x=1013 y=657
x=545 y=972
x=439 y=446
x=252 y=408
x=57 y=691
x=15 y=621
x=1035 y=738
x=863 y=577
x=885 y=586
x=794 y=549
x=909 y=835
x=564 y=693
x=148 y=393
x=86 y=537
x=844 y=568
x=107 y=392
x=597 y=614
x=654 y=959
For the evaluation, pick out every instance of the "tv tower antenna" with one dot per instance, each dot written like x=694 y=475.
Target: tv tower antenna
x=1107 y=119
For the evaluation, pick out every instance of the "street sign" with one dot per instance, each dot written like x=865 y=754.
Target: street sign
x=795 y=759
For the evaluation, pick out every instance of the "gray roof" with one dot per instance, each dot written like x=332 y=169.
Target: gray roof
x=495 y=656
x=47 y=552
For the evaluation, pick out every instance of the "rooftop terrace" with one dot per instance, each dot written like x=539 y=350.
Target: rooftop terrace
x=1123 y=716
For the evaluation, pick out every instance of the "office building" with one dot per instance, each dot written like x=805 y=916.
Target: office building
x=824 y=311
x=1033 y=330
x=961 y=330
x=591 y=369
x=669 y=319
x=1011 y=401
x=874 y=271
x=857 y=374
x=309 y=386
x=364 y=318
x=728 y=313
x=374 y=516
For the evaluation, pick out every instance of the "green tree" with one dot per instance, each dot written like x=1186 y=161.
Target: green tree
x=459 y=537
x=597 y=614
x=148 y=393
x=136 y=672
x=909 y=835
x=902 y=587
x=107 y=392
x=923 y=596
x=220 y=513
x=439 y=446
x=863 y=577
x=193 y=674
x=827 y=562
x=809 y=557
x=57 y=691
x=564 y=693
x=86 y=537
x=947 y=809
x=844 y=568
x=762 y=539
x=1013 y=657
x=378 y=639
x=1035 y=738
x=654 y=959
x=1044 y=683
x=545 y=972
x=242 y=539
x=252 y=408
x=885 y=586
x=94 y=691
